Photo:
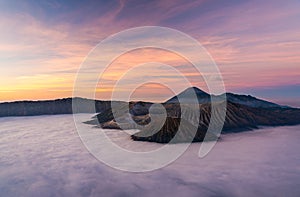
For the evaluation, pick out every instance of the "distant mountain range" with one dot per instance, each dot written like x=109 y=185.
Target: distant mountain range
x=243 y=112
x=64 y=106
x=53 y=107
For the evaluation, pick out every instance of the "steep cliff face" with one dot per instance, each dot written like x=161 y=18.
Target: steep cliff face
x=174 y=130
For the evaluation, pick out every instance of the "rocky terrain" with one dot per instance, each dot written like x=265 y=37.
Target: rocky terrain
x=242 y=113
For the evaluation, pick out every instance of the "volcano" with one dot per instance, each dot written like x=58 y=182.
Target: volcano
x=243 y=113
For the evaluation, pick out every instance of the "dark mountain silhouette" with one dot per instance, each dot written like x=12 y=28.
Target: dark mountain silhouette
x=242 y=113
x=52 y=107
x=250 y=101
x=170 y=128
x=64 y=106
x=188 y=95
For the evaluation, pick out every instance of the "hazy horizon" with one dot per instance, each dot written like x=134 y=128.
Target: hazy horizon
x=283 y=103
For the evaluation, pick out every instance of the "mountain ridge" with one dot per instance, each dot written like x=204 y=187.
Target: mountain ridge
x=242 y=113
x=204 y=97
x=64 y=105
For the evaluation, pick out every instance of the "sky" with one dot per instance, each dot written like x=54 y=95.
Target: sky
x=255 y=44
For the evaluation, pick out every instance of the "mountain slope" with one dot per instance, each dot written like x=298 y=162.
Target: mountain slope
x=242 y=113
x=249 y=100
x=187 y=96
x=171 y=130
x=238 y=118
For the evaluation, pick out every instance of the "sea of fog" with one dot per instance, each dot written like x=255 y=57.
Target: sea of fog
x=44 y=156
